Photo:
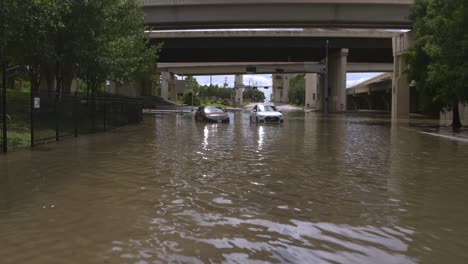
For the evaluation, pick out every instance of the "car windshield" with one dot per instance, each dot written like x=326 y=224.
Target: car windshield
x=210 y=110
x=265 y=108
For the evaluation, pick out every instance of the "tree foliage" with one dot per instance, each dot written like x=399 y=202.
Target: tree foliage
x=90 y=40
x=254 y=94
x=439 y=58
x=296 y=92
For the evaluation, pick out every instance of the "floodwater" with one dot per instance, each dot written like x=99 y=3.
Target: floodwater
x=342 y=189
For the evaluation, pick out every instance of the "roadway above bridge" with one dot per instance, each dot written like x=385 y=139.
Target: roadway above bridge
x=192 y=14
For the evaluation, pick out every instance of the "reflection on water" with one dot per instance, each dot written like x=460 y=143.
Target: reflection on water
x=342 y=189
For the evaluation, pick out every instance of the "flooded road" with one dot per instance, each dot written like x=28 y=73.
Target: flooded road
x=342 y=189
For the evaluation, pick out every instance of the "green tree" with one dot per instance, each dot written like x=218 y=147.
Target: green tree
x=296 y=93
x=252 y=94
x=91 y=40
x=26 y=35
x=439 y=58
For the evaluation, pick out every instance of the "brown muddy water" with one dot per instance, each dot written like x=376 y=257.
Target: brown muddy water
x=341 y=189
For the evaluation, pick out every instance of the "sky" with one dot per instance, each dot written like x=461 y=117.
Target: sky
x=265 y=80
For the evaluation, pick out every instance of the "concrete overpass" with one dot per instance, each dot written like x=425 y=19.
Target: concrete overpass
x=171 y=14
x=227 y=68
x=279 y=45
x=340 y=61
x=295 y=47
x=373 y=94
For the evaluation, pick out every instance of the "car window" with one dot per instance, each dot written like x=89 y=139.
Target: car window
x=265 y=108
x=210 y=110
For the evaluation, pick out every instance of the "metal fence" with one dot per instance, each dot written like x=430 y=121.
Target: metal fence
x=58 y=116
x=37 y=118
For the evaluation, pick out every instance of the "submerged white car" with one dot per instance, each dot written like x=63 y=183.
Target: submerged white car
x=266 y=114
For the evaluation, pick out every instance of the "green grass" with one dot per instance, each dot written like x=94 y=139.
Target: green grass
x=18 y=140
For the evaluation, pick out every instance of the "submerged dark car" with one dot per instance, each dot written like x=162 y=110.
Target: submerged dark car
x=211 y=114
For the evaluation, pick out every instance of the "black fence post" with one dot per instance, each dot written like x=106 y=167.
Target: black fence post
x=32 y=107
x=104 y=105
x=92 y=113
x=4 y=109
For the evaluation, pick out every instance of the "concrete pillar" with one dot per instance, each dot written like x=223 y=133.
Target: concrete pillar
x=281 y=87
x=168 y=90
x=337 y=81
x=400 y=83
x=320 y=92
x=172 y=89
x=286 y=79
x=239 y=86
x=277 y=83
x=311 y=83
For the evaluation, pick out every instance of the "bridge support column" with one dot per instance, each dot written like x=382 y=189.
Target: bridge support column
x=337 y=81
x=400 y=84
x=311 y=85
x=281 y=87
x=168 y=90
x=239 y=87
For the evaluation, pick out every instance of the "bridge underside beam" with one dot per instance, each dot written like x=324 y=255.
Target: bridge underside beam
x=271 y=49
x=263 y=68
x=292 y=14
